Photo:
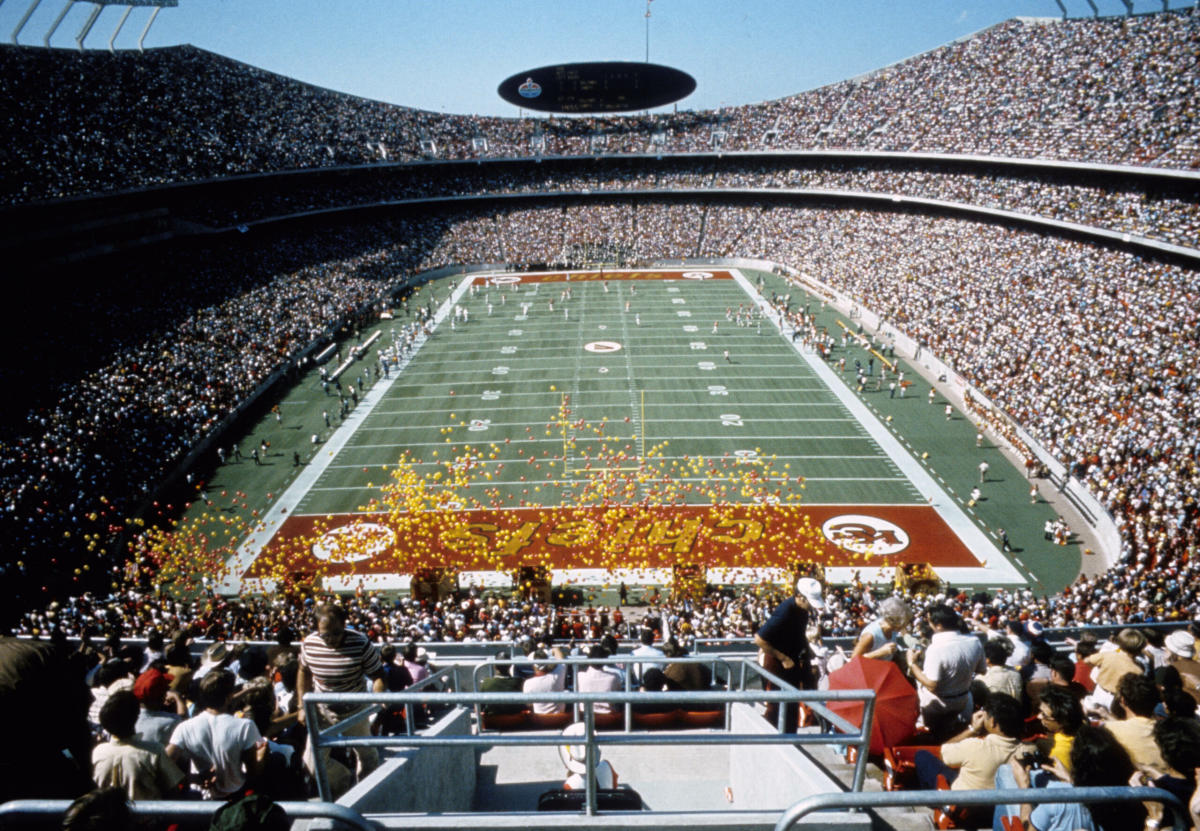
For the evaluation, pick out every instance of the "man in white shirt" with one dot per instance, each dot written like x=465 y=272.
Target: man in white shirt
x=224 y=748
x=951 y=662
x=547 y=677
x=595 y=678
x=647 y=649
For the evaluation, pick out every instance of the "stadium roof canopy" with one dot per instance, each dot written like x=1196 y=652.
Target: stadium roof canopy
x=98 y=6
x=597 y=87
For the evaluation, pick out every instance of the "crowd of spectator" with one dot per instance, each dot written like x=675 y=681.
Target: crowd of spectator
x=1090 y=350
x=1117 y=90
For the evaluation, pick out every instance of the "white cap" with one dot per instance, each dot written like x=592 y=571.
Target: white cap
x=810 y=590
x=1181 y=643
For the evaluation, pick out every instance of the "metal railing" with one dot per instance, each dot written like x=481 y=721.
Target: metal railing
x=31 y=810
x=330 y=737
x=1014 y=796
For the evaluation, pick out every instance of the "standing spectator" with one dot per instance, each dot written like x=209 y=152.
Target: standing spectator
x=46 y=742
x=157 y=719
x=1114 y=664
x=338 y=660
x=396 y=678
x=784 y=648
x=141 y=768
x=951 y=662
x=880 y=639
x=225 y=750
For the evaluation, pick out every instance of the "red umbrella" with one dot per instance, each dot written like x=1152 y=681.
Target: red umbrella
x=896 y=707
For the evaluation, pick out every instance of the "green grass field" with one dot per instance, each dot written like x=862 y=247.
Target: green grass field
x=627 y=373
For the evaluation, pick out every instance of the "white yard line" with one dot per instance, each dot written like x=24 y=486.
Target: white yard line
x=287 y=502
x=997 y=569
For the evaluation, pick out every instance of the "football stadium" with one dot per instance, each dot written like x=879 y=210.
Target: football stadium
x=380 y=467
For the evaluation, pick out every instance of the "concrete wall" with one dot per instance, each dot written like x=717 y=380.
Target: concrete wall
x=426 y=780
x=770 y=776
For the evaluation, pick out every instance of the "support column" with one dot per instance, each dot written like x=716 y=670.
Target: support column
x=87 y=27
x=24 y=19
x=117 y=30
x=149 y=23
x=57 y=21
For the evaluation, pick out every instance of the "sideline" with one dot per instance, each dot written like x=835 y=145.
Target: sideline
x=289 y=500
x=997 y=570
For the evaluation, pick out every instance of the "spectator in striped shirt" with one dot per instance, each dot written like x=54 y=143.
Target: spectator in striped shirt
x=337 y=659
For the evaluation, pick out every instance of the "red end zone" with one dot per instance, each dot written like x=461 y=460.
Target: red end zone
x=597 y=276
x=736 y=536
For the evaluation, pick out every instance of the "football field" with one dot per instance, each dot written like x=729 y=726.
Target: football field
x=610 y=425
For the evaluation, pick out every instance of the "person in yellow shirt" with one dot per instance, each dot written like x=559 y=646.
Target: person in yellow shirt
x=1062 y=716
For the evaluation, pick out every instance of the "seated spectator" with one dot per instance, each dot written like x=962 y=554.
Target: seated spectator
x=1181 y=654
x=645 y=650
x=1114 y=664
x=1177 y=702
x=1178 y=741
x=1062 y=674
x=1097 y=759
x=1133 y=721
x=547 y=677
x=99 y=810
x=969 y=760
x=597 y=678
x=1061 y=716
x=162 y=709
x=140 y=768
x=502 y=680
x=683 y=675
x=224 y=749
x=1000 y=677
x=653 y=681
x=1083 y=670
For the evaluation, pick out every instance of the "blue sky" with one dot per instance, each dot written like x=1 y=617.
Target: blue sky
x=450 y=55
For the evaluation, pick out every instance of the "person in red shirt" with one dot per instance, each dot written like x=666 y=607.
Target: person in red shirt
x=1083 y=670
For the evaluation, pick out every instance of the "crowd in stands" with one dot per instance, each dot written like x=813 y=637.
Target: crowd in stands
x=1090 y=350
x=1117 y=90
x=151 y=377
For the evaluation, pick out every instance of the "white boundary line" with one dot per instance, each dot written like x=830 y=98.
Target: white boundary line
x=998 y=569
x=287 y=502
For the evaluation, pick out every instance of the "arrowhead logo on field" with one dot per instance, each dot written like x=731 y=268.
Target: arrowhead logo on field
x=602 y=346
x=865 y=534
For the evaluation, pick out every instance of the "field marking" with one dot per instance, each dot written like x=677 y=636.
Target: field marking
x=998 y=570
x=296 y=492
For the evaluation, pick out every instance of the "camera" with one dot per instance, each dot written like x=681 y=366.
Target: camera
x=1033 y=759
